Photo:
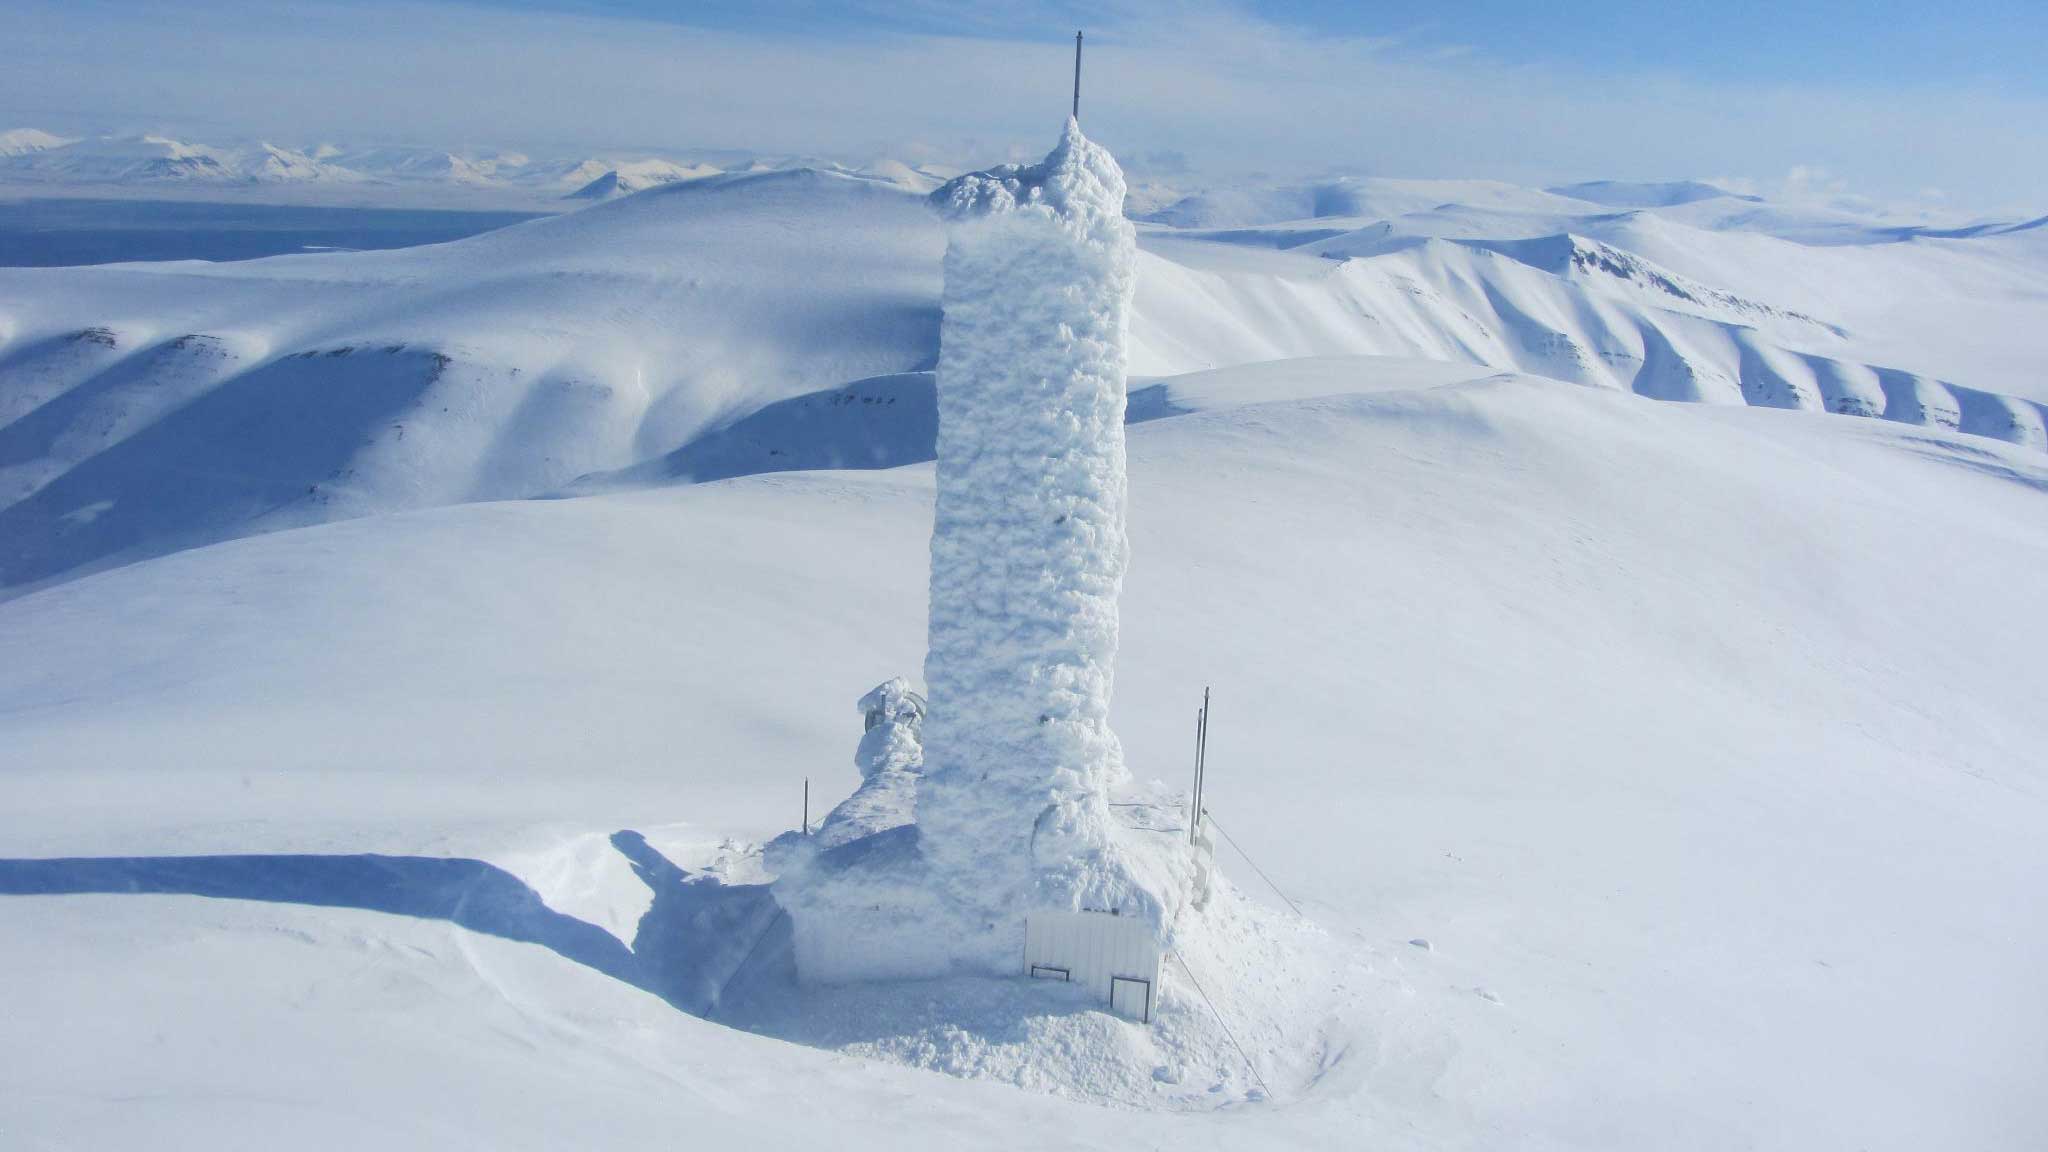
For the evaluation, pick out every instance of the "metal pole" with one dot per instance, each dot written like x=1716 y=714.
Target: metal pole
x=1201 y=767
x=1077 y=76
x=807 y=805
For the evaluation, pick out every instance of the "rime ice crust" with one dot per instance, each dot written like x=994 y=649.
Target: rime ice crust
x=1078 y=183
x=1028 y=549
x=1011 y=811
x=891 y=743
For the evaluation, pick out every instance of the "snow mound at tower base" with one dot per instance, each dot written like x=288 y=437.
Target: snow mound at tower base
x=1253 y=1004
x=1250 y=1003
x=867 y=903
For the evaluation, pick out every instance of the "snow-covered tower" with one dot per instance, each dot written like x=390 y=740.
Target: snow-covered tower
x=997 y=853
x=1028 y=549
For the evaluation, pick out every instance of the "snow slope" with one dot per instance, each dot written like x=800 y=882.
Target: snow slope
x=1650 y=774
x=1651 y=194
x=671 y=331
x=1696 y=743
x=1351 y=198
x=506 y=365
x=1561 y=306
x=638 y=176
x=1950 y=305
x=22 y=141
x=40 y=159
x=132 y=159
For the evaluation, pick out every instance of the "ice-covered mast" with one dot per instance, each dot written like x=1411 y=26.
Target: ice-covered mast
x=1029 y=546
x=1077 y=78
x=1012 y=824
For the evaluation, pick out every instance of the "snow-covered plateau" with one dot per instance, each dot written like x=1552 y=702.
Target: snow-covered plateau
x=1622 y=606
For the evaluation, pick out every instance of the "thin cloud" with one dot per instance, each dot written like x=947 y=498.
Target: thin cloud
x=1228 y=93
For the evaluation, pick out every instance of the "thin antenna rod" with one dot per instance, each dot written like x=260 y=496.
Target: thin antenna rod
x=1201 y=769
x=807 y=805
x=1077 y=76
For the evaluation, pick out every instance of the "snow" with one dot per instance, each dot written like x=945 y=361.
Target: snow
x=287 y=165
x=1649 y=194
x=890 y=759
x=637 y=176
x=1646 y=792
x=1698 y=741
x=591 y=350
x=1350 y=198
x=118 y=159
x=1632 y=324
x=386 y=175
x=933 y=871
x=891 y=743
x=1028 y=551
x=21 y=141
x=803 y=323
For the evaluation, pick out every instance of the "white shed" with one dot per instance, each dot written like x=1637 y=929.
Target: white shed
x=1116 y=958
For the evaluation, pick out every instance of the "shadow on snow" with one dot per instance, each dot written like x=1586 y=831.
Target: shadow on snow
x=700 y=943
x=880 y=422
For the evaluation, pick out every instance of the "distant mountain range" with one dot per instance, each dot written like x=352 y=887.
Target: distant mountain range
x=34 y=158
x=153 y=165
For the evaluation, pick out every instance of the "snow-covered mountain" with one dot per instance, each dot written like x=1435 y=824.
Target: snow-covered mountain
x=1490 y=209
x=433 y=393
x=414 y=647
x=37 y=160
x=1351 y=197
x=429 y=164
x=160 y=160
x=637 y=176
x=22 y=141
x=269 y=163
x=125 y=160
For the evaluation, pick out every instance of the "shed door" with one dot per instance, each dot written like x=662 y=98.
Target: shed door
x=1131 y=998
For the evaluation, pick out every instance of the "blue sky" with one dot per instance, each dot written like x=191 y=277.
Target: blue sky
x=1944 y=103
x=1874 y=42
x=1869 y=43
